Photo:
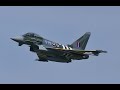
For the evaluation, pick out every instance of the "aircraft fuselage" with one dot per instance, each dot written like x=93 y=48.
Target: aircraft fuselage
x=52 y=51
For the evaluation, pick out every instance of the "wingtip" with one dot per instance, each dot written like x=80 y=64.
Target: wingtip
x=105 y=52
x=101 y=51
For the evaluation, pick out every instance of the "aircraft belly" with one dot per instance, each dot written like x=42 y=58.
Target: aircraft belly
x=58 y=59
x=67 y=55
x=52 y=56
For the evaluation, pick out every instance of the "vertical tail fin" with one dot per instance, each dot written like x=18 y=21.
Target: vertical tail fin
x=81 y=42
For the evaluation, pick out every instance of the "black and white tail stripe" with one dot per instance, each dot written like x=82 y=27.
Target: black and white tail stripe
x=63 y=46
x=70 y=48
x=66 y=54
x=66 y=47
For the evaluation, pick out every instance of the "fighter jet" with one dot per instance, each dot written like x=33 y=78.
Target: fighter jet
x=47 y=50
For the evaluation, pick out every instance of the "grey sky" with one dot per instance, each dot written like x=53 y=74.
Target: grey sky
x=63 y=25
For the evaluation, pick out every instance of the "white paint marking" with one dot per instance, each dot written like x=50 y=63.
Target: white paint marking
x=63 y=46
x=70 y=48
x=67 y=47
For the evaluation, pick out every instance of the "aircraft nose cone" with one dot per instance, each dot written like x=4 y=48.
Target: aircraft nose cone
x=17 y=39
x=13 y=39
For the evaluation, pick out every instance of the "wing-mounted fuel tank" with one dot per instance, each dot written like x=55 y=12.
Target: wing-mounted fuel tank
x=85 y=56
x=80 y=57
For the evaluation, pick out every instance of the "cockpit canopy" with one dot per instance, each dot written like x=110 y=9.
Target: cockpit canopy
x=30 y=34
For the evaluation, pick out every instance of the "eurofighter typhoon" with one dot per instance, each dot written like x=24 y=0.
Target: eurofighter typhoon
x=47 y=50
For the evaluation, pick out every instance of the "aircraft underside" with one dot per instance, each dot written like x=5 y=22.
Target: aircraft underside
x=46 y=56
x=47 y=50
